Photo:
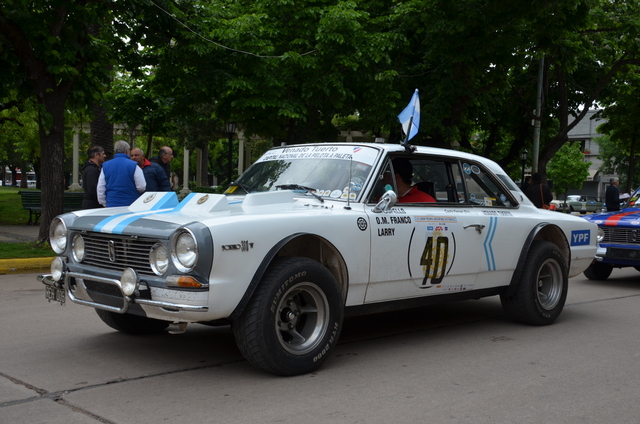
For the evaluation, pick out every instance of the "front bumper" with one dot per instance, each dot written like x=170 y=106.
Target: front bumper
x=618 y=255
x=78 y=294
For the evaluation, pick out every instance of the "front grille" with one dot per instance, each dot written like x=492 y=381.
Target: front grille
x=621 y=235
x=117 y=252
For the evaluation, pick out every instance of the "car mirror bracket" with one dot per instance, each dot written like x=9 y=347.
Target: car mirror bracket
x=386 y=202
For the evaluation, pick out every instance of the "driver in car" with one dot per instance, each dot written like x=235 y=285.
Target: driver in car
x=408 y=193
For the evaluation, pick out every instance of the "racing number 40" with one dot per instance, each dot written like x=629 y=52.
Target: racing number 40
x=434 y=259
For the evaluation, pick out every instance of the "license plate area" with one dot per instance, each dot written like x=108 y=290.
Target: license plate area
x=54 y=294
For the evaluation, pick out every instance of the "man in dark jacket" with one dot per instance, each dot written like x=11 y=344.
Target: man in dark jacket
x=612 y=196
x=539 y=193
x=164 y=158
x=154 y=175
x=90 y=175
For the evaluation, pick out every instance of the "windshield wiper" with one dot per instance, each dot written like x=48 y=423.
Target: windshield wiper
x=308 y=190
x=246 y=188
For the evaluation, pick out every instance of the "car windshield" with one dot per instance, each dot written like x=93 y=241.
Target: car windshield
x=633 y=201
x=335 y=172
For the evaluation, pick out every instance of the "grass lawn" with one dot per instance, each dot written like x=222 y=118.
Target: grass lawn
x=11 y=213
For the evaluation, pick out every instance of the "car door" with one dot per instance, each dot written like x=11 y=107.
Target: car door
x=467 y=240
x=420 y=249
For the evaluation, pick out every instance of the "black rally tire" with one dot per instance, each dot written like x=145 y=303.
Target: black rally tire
x=542 y=291
x=293 y=319
x=598 y=271
x=132 y=324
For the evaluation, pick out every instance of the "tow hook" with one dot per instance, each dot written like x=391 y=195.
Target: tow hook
x=178 y=327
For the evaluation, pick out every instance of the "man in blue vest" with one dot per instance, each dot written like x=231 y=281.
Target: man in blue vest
x=121 y=181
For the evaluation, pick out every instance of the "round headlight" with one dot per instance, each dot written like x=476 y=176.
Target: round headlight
x=184 y=250
x=159 y=259
x=57 y=268
x=600 y=235
x=129 y=281
x=77 y=247
x=58 y=235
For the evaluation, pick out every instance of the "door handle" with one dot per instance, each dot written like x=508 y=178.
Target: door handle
x=478 y=227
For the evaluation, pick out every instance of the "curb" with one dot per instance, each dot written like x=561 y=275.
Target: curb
x=8 y=266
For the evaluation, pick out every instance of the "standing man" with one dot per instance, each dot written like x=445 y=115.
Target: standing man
x=538 y=192
x=121 y=180
x=90 y=175
x=153 y=174
x=612 y=195
x=164 y=158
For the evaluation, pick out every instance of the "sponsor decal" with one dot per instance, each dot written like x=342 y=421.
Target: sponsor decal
x=243 y=246
x=439 y=219
x=580 y=238
x=496 y=213
x=362 y=224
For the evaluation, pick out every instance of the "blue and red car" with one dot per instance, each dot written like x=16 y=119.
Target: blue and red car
x=618 y=239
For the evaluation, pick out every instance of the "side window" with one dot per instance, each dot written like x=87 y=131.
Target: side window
x=483 y=189
x=421 y=180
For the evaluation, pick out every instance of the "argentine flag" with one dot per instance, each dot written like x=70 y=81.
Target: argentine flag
x=410 y=116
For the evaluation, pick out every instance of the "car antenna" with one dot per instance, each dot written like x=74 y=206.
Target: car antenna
x=348 y=207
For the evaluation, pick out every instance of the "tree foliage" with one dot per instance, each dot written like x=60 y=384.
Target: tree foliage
x=284 y=70
x=568 y=169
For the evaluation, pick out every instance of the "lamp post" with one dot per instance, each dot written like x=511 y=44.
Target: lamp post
x=524 y=161
x=230 y=128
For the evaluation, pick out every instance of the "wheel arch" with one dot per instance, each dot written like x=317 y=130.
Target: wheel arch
x=543 y=231
x=305 y=245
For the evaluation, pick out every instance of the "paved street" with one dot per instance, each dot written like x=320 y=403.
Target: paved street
x=458 y=363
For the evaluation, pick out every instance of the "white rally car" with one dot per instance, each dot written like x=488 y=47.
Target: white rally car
x=311 y=233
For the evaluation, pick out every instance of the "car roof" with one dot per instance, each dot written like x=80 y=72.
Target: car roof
x=400 y=148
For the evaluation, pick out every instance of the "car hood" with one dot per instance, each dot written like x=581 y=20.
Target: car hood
x=625 y=217
x=162 y=213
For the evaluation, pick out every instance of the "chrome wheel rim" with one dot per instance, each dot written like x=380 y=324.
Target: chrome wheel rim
x=302 y=318
x=549 y=284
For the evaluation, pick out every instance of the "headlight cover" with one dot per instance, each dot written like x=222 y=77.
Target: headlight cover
x=77 y=247
x=184 y=250
x=58 y=235
x=159 y=259
x=600 y=235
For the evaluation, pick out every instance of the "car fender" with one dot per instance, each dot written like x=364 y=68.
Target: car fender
x=268 y=259
x=537 y=233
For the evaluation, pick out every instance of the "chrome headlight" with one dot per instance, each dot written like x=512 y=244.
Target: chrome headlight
x=129 y=281
x=600 y=235
x=159 y=259
x=58 y=235
x=77 y=247
x=184 y=250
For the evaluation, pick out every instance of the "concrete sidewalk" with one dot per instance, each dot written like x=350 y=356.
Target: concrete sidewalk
x=21 y=234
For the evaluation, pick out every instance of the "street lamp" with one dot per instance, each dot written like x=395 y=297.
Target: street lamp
x=524 y=161
x=230 y=128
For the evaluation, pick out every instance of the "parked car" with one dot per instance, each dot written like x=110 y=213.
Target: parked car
x=579 y=203
x=618 y=239
x=311 y=233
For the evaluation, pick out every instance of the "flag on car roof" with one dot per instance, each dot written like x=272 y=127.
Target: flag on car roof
x=410 y=116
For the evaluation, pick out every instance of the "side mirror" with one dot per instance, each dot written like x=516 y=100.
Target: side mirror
x=386 y=202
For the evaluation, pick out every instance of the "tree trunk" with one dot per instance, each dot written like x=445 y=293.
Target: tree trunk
x=101 y=129
x=52 y=148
